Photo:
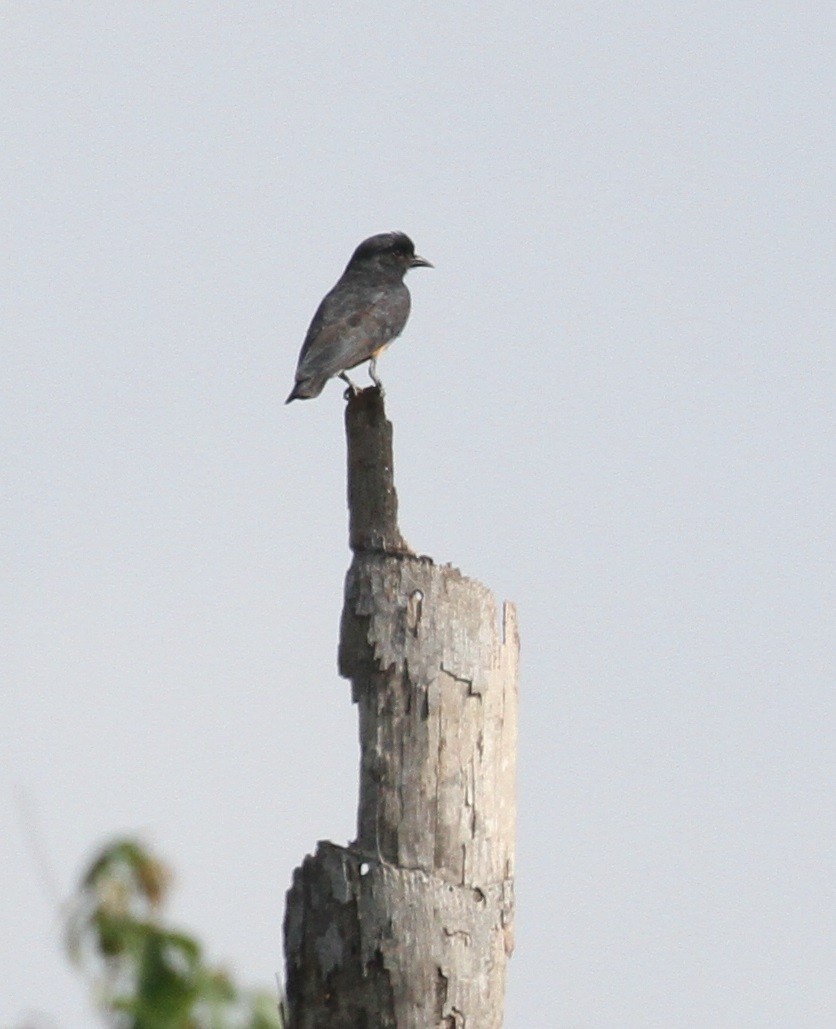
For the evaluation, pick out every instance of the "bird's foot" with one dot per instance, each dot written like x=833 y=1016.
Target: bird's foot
x=353 y=388
x=375 y=379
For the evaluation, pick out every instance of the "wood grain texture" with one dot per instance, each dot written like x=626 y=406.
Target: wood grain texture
x=411 y=925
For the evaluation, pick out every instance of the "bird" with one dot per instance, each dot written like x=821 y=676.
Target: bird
x=360 y=316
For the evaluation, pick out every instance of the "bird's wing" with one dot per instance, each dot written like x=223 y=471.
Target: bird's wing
x=349 y=327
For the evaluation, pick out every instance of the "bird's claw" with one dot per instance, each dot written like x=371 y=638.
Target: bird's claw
x=353 y=388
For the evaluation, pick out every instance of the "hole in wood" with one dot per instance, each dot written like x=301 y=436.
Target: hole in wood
x=414 y=610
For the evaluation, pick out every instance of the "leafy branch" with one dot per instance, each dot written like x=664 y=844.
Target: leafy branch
x=143 y=973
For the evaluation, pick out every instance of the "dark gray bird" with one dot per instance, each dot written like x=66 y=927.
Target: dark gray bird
x=360 y=317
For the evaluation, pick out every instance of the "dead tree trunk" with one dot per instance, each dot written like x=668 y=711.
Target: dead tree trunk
x=410 y=927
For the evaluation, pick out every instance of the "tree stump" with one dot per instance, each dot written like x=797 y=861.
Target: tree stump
x=410 y=926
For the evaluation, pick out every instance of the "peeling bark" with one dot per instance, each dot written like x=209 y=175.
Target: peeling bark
x=411 y=925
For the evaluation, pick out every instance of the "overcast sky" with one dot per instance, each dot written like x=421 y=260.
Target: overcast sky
x=613 y=404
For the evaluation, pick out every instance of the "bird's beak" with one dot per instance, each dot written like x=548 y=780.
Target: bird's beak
x=420 y=262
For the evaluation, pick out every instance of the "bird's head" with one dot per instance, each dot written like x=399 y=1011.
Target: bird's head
x=390 y=252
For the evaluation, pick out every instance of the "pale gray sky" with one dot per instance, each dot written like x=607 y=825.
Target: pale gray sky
x=613 y=404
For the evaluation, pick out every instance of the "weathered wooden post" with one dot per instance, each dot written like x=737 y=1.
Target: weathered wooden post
x=411 y=926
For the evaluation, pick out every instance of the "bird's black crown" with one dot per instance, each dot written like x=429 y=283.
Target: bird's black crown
x=394 y=243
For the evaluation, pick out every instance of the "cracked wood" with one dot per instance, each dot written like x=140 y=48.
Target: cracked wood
x=411 y=925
